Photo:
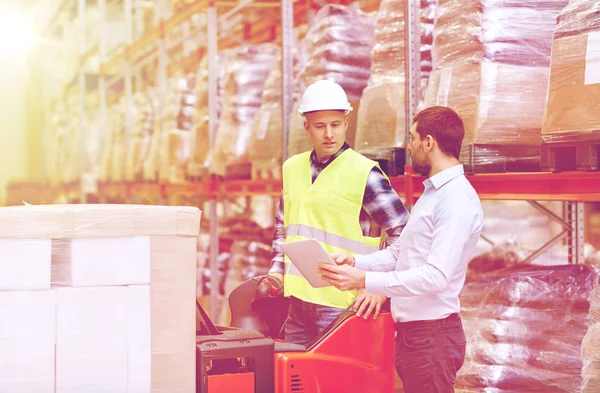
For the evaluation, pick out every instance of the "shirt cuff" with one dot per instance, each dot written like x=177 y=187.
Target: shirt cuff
x=375 y=283
x=361 y=262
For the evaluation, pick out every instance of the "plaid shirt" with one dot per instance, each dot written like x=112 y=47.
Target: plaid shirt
x=382 y=209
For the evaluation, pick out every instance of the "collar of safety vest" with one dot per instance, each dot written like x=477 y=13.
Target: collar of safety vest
x=439 y=179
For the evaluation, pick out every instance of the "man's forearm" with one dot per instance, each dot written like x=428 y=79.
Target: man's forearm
x=380 y=261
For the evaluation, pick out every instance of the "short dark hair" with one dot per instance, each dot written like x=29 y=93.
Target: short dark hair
x=444 y=125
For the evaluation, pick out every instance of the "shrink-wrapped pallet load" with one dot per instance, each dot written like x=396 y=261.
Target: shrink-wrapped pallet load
x=177 y=119
x=590 y=348
x=113 y=152
x=267 y=130
x=338 y=47
x=524 y=327
x=381 y=117
x=491 y=64
x=247 y=70
x=200 y=135
x=265 y=149
x=571 y=113
x=99 y=298
x=143 y=127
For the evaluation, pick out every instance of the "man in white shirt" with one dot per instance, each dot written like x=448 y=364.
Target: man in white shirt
x=424 y=270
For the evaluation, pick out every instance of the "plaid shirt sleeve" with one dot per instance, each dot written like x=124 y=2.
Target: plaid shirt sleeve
x=277 y=262
x=384 y=206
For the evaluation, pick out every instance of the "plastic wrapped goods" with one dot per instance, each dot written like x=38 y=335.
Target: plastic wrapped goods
x=338 y=47
x=201 y=132
x=525 y=326
x=485 y=99
x=99 y=298
x=144 y=125
x=339 y=44
x=574 y=90
x=265 y=147
x=177 y=119
x=503 y=31
x=491 y=64
x=590 y=348
x=247 y=69
x=381 y=117
x=113 y=153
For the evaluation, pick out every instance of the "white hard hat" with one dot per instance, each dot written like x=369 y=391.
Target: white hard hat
x=324 y=95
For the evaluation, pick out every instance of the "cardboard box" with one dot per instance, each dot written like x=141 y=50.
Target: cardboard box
x=139 y=350
x=91 y=340
x=574 y=91
x=25 y=264
x=27 y=338
x=381 y=117
x=101 y=261
x=160 y=357
x=486 y=94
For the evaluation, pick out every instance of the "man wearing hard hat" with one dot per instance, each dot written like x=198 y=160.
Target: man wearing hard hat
x=340 y=198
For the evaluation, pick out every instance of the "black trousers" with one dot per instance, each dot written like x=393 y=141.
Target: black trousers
x=429 y=354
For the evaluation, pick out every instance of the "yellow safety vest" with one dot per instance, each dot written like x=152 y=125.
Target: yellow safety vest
x=327 y=210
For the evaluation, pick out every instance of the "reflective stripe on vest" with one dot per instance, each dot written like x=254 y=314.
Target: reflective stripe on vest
x=352 y=246
x=328 y=211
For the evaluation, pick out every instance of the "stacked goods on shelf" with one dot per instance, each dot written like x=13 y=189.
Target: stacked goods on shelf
x=67 y=146
x=265 y=149
x=113 y=156
x=590 y=348
x=177 y=120
x=93 y=148
x=338 y=45
x=571 y=115
x=246 y=71
x=381 y=118
x=267 y=134
x=54 y=147
x=427 y=23
x=524 y=327
x=199 y=143
x=99 y=297
x=491 y=64
x=138 y=142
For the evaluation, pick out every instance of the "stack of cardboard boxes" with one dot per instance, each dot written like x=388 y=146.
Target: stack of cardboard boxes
x=98 y=298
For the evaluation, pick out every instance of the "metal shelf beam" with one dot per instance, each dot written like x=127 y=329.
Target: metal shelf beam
x=568 y=187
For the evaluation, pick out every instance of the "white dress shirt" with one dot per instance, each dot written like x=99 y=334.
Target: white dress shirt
x=424 y=270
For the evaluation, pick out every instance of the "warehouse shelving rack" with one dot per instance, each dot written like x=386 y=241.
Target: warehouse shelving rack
x=151 y=50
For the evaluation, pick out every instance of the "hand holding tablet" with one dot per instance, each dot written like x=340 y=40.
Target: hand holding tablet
x=306 y=255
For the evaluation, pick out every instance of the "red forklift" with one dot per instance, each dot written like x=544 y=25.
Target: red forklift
x=352 y=355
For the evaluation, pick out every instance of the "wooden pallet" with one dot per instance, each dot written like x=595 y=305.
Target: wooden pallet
x=391 y=160
x=571 y=152
x=500 y=158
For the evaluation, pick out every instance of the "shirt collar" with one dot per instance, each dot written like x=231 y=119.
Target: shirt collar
x=313 y=156
x=443 y=177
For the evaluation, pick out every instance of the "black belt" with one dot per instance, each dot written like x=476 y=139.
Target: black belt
x=431 y=323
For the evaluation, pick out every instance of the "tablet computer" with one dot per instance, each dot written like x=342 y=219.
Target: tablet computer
x=306 y=256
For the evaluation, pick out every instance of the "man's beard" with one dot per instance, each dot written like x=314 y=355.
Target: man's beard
x=421 y=166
